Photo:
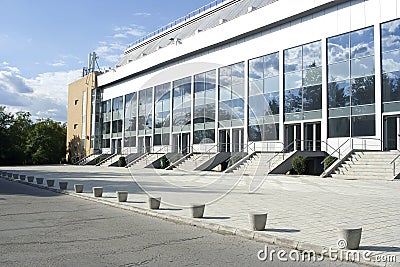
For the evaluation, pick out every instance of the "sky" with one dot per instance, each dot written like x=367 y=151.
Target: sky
x=45 y=44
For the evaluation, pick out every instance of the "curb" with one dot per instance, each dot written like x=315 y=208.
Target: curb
x=213 y=227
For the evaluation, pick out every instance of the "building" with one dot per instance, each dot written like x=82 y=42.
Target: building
x=265 y=75
x=79 y=117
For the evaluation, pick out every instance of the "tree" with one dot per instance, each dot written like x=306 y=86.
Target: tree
x=6 y=120
x=46 y=142
x=19 y=131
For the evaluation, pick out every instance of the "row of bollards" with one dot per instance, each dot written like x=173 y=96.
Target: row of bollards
x=348 y=237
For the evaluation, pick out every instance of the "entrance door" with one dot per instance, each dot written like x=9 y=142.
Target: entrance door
x=116 y=146
x=292 y=137
x=312 y=136
x=144 y=144
x=391 y=132
x=231 y=140
x=181 y=143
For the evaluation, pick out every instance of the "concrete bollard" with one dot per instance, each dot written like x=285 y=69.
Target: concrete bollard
x=349 y=237
x=78 y=188
x=198 y=210
x=39 y=180
x=30 y=179
x=97 y=191
x=154 y=203
x=10 y=176
x=63 y=185
x=258 y=220
x=50 y=182
x=15 y=176
x=122 y=196
x=22 y=177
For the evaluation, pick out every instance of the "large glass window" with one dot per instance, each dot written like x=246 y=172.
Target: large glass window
x=106 y=123
x=162 y=114
x=231 y=95
x=303 y=80
x=117 y=116
x=130 y=120
x=351 y=83
x=204 y=107
x=182 y=104
x=390 y=34
x=263 y=103
x=145 y=111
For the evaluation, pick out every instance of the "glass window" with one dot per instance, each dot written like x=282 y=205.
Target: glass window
x=339 y=71
x=271 y=65
x=312 y=76
x=312 y=98
x=363 y=125
x=254 y=133
x=270 y=132
x=362 y=67
x=293 y=80
x=293 y=59
x=363 y=91
x=339 y=127
x=271 y=84
x=338 y=48
x=339 y=94
x=293 y=100
x=256 y=68
x=272 y=101
x=390 y=34
x=391 y=61
x=362 y=43
x=391 y=86
x=312 y=55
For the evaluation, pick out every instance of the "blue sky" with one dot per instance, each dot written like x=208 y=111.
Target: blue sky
x=44 y=44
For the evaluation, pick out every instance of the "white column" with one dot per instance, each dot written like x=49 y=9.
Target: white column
x=281 y=99
x=325 y=104
x=378 y=83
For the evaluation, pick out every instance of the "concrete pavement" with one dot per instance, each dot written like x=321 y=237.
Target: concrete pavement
x=303 y=212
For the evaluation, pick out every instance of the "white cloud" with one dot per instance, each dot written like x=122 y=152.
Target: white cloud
x=59 y=63
x=129 y=31
x=142 y=14
x=44 y=96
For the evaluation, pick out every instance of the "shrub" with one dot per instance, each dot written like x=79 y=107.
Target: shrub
x=328 y=161
x=299 y=165
x=121 y=162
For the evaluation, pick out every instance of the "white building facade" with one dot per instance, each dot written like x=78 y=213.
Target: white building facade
x=261 y=74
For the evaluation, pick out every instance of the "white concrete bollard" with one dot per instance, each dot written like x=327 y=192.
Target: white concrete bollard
x=63 y=185
x=97 y=191
x=198 y=210
x=258 y=220
x=31 y=179
x=154 y=203
x=122 y=196
x=349 y=237
x=50 y=182
x=39 y=180
x=78 y=188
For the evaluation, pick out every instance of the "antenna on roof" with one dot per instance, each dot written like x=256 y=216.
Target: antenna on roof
x=92 y=63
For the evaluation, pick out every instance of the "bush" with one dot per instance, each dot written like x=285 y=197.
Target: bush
x=299 y=165
x=121 y=162
x=328 y=161
x=164 y=162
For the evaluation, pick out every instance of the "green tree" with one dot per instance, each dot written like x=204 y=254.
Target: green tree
x=18 y=132
x=46 y=142
x=6 y=120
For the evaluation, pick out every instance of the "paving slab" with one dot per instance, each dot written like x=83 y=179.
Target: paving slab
x=303 y=211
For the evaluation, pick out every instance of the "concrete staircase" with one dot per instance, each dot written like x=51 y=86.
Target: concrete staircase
x=259 y=164
x=110 y=161
x=145 y=161
x=366 y=165
x=193 y=162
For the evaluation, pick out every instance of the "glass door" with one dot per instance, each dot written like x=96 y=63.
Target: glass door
x=312 y=136
x=181 y=143
x=293 y=137
x=225 y=140
x=391 y=131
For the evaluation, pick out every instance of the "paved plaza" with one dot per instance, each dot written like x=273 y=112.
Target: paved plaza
x=303 y=211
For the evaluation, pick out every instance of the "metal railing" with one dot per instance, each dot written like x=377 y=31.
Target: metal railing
x=349 y=145
x=178 y=21
x=393 y=163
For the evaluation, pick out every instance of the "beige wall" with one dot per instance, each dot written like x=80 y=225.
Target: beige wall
x=75 y=122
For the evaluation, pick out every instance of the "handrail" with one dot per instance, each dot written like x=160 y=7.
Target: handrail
x=137 y=159
x=393 y=162
x=177 y=21
x=106 y=159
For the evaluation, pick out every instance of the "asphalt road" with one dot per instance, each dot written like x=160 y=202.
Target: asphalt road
x=42 y=228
